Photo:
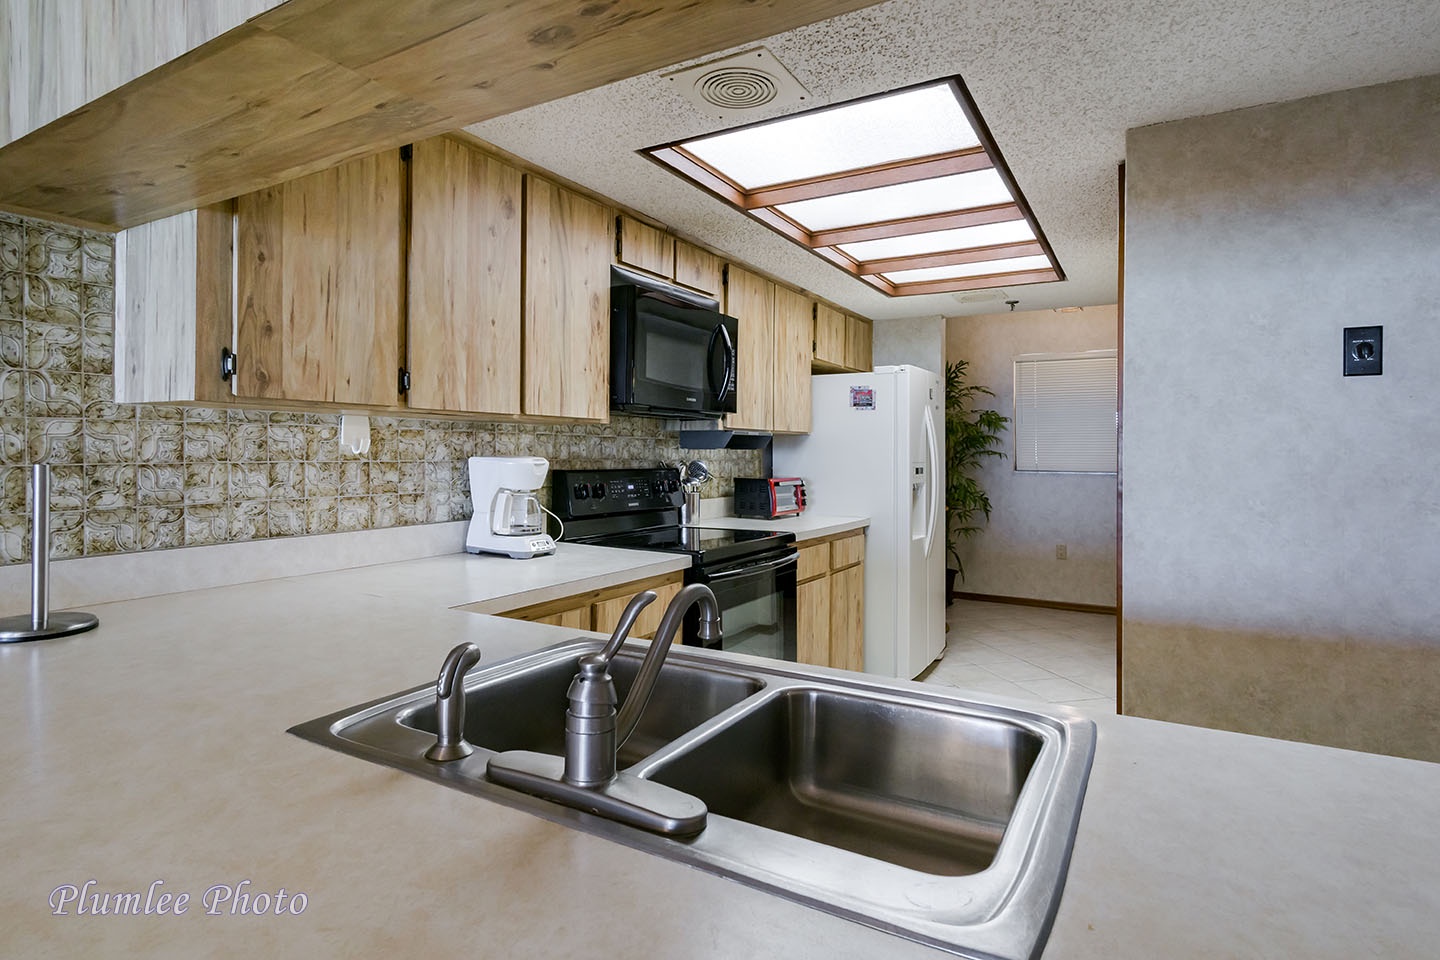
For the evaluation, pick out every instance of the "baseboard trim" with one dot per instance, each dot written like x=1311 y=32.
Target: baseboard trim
x=1031 y=602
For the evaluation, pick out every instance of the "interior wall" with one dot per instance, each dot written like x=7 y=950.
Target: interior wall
x=1282 y=522
x=918 y=341
x=128 y=477
x=1014 y=556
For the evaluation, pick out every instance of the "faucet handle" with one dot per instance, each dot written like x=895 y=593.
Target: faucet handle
x=622 y=629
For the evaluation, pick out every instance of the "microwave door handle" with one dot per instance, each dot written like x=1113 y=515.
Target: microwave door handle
x=755 y=568
x=727 y=379
x=933 y=455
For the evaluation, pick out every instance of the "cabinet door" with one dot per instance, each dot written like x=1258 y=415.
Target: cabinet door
x=577 y=618
x=829 y=337
x=318 y=270
x=859 y=338
x=847 y=551
x=847 y=618
x=698 y=269
x=645 y=247
x=566 y=343
x=751 y=300
x=607 y=612
x=464 y=283
x=812 y=620
x=793 y=329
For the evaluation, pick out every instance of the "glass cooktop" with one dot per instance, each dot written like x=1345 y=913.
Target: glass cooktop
x=706 y=543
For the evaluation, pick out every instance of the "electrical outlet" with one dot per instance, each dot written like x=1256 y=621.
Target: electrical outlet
x=1061 y=553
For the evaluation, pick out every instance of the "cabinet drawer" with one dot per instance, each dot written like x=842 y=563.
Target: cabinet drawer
x=814 y=561
x=847 y=552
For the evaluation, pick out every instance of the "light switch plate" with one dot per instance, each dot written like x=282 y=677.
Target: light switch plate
x=1362 y=351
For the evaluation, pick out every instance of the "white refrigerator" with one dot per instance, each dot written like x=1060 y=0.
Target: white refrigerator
x=875 y=450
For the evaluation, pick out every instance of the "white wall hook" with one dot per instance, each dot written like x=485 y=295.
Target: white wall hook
x=354 y=434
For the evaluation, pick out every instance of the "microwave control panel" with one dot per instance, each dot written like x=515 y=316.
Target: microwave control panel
x=603 y=493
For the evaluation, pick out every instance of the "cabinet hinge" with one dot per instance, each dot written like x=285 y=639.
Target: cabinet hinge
x=229 y=363
x=619 y=236
x=725 y=276
x=404 y=381
x=406 y=152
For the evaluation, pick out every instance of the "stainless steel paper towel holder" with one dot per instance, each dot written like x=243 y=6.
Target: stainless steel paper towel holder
x=40 y=623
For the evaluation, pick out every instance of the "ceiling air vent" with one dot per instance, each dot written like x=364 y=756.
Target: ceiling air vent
x=980 y=296
x=744 y=81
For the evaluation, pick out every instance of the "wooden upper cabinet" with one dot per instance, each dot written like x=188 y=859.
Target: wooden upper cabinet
x=750 y=299
x=645 y=247
x=319 y=270
x=699 y=269
x=569 y=246
x=829 y=338
x=794 y=324
x=464 y=283
x=859 y=340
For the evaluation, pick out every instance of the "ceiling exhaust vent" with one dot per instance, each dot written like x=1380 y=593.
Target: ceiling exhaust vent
x=980 y=296
x=743 y=81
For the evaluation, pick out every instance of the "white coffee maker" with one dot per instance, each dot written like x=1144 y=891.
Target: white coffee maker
x=508 y=518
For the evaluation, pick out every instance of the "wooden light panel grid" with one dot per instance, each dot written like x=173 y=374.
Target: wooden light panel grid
x=762 y=203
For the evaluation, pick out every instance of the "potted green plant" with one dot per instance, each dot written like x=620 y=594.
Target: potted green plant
x=971 y=435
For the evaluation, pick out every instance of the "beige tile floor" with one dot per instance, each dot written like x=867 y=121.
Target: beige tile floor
x=1031 y=653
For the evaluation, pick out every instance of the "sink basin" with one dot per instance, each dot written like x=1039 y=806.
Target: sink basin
x=910 y=809
x=921 y=788
x=524 y=709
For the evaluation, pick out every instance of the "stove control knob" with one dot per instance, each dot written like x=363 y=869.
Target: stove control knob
x=581 y=491
x=597 y=490
x=672 y=485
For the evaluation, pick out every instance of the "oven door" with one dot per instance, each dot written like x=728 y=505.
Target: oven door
x=757 y=605
x=684 y=357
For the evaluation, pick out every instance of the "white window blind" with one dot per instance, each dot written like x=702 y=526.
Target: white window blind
x=1065 y=412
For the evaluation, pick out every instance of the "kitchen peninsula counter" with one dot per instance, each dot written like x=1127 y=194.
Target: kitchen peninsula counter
x=154 y=749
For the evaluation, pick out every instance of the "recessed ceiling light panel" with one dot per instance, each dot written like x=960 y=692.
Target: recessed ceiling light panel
x=905 y=190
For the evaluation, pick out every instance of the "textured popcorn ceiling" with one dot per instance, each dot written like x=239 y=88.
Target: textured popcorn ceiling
x=1058 y=83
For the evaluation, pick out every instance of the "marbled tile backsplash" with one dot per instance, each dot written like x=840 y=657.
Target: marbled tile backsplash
x=139 y=477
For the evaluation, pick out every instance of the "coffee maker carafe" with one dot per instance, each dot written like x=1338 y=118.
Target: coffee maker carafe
x=508 y=517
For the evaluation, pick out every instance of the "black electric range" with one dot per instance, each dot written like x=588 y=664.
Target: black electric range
x=752 y=572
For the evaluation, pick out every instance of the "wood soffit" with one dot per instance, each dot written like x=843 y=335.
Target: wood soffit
x=314 y=83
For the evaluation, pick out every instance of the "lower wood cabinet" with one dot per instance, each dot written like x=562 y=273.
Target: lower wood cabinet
x=600 y=610
x=830 y=602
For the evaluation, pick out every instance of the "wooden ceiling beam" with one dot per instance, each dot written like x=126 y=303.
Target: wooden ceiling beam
x=908 y=226
x=974 y=283
x=949 y=258
x=869 y=178
x=313 y=83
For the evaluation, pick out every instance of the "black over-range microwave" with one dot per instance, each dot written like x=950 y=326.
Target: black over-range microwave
x=672 y=352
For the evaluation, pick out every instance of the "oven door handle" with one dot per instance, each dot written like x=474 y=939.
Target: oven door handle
x=754 y=568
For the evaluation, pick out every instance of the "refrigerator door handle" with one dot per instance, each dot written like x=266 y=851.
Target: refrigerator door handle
x=933 y=452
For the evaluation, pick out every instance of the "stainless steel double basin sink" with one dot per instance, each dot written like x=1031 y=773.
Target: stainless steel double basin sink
x=933 y=817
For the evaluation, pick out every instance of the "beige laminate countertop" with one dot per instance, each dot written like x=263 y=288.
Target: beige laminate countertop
x=807 y=526
x=154 y=749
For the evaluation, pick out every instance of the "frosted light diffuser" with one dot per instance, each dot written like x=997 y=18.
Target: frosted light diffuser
x=915 y=123
x=980 y=189
x=905 y=190
x=961 y=270
x=1010 y=231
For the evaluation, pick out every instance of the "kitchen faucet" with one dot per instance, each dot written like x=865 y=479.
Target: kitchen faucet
x=450 y=705
x=594 y=732
x=586 y=778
